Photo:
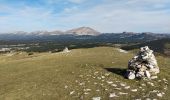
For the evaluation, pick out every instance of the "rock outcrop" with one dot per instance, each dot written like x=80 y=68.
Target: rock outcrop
x=143 y=65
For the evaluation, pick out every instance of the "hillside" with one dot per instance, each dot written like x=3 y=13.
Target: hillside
x=79 y=74
x=161 y=46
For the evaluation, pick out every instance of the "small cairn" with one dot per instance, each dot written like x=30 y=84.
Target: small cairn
x=143 y=65
x=66 y=50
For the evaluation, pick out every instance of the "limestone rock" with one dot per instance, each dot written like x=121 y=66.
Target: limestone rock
x=143 y=65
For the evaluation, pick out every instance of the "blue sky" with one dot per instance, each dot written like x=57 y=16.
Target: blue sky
x=102 y=15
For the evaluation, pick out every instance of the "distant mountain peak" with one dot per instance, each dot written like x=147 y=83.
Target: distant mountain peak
x=83 y=31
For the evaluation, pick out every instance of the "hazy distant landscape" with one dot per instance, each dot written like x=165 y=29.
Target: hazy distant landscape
x=83 y=37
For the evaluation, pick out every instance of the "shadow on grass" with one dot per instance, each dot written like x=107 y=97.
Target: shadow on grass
x=118 y=71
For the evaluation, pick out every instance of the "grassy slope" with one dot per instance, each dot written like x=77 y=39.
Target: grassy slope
x=69 y=76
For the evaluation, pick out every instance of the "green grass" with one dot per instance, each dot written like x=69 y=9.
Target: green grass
x=69 y=76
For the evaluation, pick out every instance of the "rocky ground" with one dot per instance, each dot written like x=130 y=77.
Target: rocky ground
x=106 y=87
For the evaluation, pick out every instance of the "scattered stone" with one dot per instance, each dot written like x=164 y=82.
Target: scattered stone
x=159 y=95
x=87 y=89
x=86 y=93
x=122 y=93
x=159 y=80
x=95 y=83
x=143 y=65
x=65 y=86
x=134 y=90
x=72 y=92
x=121 y=84
x=96 y=98
x=148 y=99
x=106 y=89
x=113 y=95
x=82 y=83
x=165 y=79
x=101 y=84
x=103 y=77
x=114 y=85
x=127 y=87
x=143 y=84
x=154 y=77
x=150 y=83
x=109 y=82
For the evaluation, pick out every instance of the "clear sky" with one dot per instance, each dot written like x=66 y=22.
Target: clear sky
x=102 y=15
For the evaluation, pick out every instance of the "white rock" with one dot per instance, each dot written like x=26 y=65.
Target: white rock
x=114 y=85
x=154 y=77
x=103 y=76
x=131 y=76
x=109 y=82
x=134 y=90
x=82 y=83
x=127 y=87
x=113 y=95
x=148 y=75
x=95 y=83
x=72 y=92
x=122 y=93
x=86 y=93
x=96 y=98
x=151 y=83
x=65 y=86
x=159 y=95
x=121 y=84
x=148 y=99
x=87 y=89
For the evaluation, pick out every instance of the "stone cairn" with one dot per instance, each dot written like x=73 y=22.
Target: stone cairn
x=66 y=50
x=143 y=65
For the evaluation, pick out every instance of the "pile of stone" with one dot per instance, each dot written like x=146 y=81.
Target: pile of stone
x=143 y=65
x=66 y=50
